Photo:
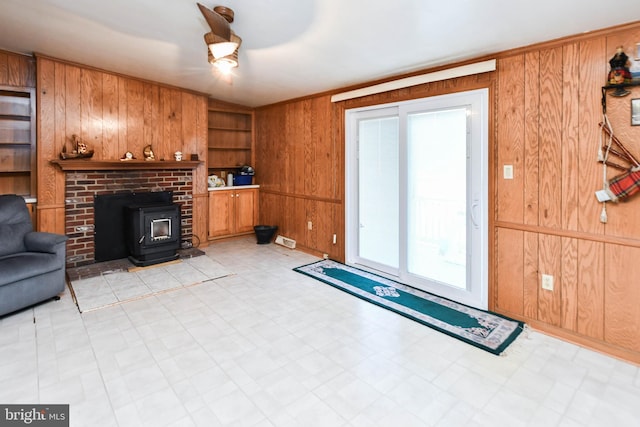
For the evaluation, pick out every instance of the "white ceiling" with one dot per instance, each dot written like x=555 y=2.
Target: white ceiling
x=292 y=48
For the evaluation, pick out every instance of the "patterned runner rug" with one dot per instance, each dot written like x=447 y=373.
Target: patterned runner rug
x=488 y=331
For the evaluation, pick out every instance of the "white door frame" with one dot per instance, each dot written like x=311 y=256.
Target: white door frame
x=477 y=199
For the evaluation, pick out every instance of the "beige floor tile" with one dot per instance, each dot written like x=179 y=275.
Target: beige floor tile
x=255 y=344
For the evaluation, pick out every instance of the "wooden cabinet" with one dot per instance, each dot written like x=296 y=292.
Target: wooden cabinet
x=17 y=141
x=232 y=211
x=230 y=137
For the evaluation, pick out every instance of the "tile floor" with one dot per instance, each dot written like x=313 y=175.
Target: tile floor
x=270 y=347
x=130 y=283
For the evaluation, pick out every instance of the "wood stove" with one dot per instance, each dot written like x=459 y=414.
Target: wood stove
x=146 y=227
x=152 y=233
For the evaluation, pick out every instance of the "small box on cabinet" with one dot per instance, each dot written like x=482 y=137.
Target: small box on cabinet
x=242 y=179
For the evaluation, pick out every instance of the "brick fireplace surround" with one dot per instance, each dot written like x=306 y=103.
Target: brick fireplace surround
x=81 y=186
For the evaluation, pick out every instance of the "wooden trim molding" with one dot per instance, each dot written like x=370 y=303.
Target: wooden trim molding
x=601 y=238
x=301 y=196
x=575 y=338
x=435 y=76
x=101 y=165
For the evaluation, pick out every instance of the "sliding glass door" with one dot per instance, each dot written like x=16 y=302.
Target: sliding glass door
x=378 y=196
x=416 y=193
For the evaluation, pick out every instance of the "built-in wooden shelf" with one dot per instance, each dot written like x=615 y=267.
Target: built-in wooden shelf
x=618 y=93
x=101 y=165
x=231 y=141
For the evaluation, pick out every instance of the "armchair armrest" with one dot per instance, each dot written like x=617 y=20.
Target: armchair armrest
x=39 y=241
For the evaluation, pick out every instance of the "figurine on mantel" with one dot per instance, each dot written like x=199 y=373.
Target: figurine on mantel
x=127 y=156
x=80 y=151
x=148 y=153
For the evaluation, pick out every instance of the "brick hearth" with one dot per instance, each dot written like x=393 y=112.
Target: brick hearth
x=81 y=186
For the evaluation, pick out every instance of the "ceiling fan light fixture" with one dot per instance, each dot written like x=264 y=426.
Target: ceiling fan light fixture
x=225 y=65
x=222 y=42
x=237 y=40
x=220 y=50
x=220 y=47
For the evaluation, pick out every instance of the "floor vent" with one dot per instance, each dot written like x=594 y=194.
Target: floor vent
x=286 y=242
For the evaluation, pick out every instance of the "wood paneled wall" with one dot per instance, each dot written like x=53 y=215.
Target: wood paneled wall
x=299 y=168
x=113 y=114
x=17 y=70
x=547 y=217
x=545 y=110
x=300 y=162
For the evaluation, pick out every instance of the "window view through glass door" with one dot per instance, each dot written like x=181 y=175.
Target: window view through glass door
x=378 y=204
x=437 y=196
x=416 y=193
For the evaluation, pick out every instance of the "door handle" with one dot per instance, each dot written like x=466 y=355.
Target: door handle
x=474 y=221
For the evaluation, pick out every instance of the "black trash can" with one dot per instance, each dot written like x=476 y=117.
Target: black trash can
x=264 y=233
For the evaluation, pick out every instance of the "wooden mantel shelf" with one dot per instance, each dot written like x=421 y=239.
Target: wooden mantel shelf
x=102 y=165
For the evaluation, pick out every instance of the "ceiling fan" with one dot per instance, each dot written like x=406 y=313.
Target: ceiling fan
x=222 y=42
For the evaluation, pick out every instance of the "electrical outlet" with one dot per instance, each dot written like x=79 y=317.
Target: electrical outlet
x=547 y=282
x=310 y=225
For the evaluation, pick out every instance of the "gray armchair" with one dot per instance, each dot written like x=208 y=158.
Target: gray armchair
x=32 y=264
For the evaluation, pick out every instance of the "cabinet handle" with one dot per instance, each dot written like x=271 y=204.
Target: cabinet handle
x=237 y=195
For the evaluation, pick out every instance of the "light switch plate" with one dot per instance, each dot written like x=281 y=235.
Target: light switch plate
x=507 y=171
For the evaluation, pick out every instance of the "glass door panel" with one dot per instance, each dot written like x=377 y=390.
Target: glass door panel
x=378 y=191
x=437 y=196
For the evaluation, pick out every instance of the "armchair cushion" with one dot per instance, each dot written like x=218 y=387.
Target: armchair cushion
x=14 y=224
x=25 y=265
x=12 y=239
x=39 y=241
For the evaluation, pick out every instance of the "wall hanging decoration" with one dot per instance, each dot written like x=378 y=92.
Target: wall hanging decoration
x=619 y=73
x=611 y=152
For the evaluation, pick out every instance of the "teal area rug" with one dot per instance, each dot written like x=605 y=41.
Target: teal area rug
x=483 y=329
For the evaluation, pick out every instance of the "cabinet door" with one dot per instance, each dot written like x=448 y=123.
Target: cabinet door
x=220 y=213
x=246 y=208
